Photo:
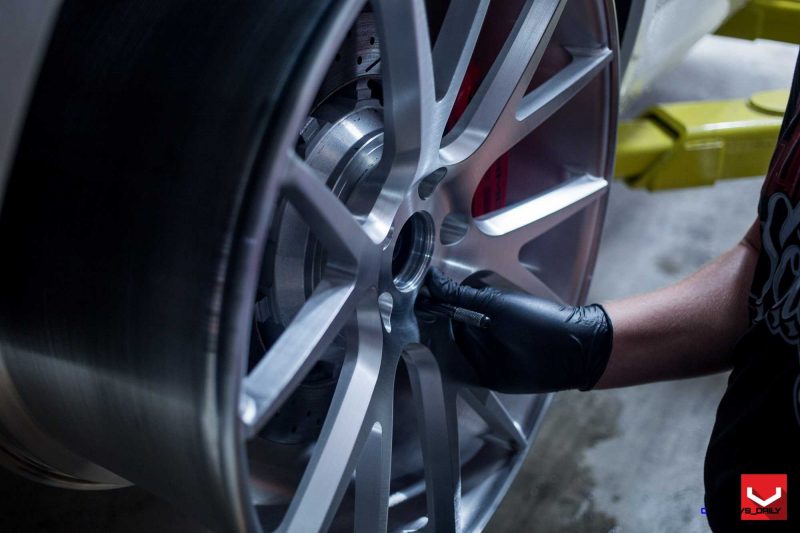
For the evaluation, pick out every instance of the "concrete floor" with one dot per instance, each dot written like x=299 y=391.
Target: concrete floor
x=631 y=460
x=622 y=461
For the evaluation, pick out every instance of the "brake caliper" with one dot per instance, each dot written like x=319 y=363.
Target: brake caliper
x=490 y=194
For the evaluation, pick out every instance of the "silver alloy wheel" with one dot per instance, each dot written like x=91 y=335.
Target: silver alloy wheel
x=419 y=448
x=180 y=162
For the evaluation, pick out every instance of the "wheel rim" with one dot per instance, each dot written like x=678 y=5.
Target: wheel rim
x=454 y=155
x=416 y=448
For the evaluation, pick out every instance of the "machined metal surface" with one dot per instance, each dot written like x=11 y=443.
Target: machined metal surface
x=442 y=464
x=368 y=179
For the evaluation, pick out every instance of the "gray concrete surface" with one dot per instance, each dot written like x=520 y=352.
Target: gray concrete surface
x=623 y=461
x=631 y=460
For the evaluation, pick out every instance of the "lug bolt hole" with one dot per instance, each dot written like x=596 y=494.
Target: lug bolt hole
x=385 y=306
x=430 y=182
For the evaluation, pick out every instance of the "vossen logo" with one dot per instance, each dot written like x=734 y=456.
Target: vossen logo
x=764 y=497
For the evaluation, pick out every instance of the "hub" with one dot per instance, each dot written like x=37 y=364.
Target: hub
x=412 y=251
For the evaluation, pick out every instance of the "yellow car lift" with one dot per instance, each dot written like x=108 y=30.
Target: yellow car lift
x=778 y=20
x=697 y=143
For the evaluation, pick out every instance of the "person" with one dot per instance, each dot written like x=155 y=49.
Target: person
x=741 y=312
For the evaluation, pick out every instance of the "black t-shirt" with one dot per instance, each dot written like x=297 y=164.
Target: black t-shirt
x=757 y=430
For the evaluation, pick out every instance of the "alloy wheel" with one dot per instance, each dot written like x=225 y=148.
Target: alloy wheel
x=221 y=221
x=414 y=156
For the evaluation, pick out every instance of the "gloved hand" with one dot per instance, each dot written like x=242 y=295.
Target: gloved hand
x=531 y=344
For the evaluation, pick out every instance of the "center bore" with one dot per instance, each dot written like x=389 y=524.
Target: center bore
x=412 y=251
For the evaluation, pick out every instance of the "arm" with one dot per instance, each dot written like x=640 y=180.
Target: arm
x=534 y=345
x=687 y=329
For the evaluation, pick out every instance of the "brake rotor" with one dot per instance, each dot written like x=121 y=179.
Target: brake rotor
x=342 y=139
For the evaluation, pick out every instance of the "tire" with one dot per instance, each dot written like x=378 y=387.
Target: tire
x=219 y=217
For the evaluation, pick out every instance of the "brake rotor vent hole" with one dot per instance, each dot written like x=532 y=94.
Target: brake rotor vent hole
x=412 y=251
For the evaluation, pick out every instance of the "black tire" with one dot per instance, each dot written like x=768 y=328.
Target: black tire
x=129 y=212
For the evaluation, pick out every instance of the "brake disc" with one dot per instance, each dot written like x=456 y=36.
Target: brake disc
x=342 y=139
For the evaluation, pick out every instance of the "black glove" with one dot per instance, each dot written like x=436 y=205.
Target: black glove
x=531 y=344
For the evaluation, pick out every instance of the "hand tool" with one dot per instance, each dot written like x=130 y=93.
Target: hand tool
x=459 y=314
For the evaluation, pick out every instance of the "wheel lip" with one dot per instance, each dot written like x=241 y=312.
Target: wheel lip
x=247 y=241
x=612 y=75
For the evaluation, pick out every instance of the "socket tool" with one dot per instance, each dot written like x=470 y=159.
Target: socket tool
x=459 y=314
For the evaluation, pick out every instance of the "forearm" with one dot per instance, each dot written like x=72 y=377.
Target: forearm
x=684 y=330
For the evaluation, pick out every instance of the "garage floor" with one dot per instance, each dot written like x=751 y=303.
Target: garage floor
x=622 y=461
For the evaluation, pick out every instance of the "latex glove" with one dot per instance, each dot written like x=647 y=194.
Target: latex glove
x=531 y=344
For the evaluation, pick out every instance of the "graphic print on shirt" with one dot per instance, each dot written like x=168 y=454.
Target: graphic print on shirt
x=775 y=293
x=778 y=302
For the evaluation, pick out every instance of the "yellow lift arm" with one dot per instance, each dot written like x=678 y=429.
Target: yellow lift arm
x=697 y=143
x=778 y=20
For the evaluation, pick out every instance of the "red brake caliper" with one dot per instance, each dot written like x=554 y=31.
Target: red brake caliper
x=491 y=192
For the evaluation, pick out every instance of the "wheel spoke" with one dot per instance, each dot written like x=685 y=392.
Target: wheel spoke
x=505 y=232
x=523 y=279
x=373 y=473
x=438 y=423
x=293 y=354
x=333 y=223
x=488 y=256
x=408 y=88
x=346 y=428
x=544 y=101
x=453 y=49
x=489 y=407
x=507 y=80
x=520 y=223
